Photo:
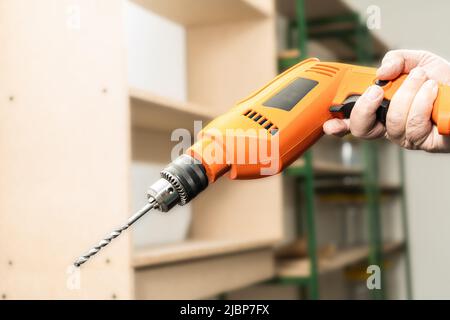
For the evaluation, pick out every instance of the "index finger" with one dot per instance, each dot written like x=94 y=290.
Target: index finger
x=396 y=62
x=363 y=122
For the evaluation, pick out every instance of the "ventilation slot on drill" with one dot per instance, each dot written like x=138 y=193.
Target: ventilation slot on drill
x=326 y=66
x=324 y=69
x=261 y=120
x=273 y=131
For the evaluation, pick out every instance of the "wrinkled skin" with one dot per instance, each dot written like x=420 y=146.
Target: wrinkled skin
x=408 y=121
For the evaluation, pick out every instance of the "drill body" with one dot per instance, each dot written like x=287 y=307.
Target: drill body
x=286 y=116
x=267 y=131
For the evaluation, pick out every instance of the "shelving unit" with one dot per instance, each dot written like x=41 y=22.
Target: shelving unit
x=339 y=29
x=72 y=126
x=324 y=169
x=87 y=126
x=356 y=189
x=299 y=270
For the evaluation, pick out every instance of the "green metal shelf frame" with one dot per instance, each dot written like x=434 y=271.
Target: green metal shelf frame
x=305 y=175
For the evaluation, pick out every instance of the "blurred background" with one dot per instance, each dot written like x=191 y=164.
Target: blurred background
x=90 y=94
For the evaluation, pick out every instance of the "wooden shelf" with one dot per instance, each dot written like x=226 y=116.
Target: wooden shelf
x=206 y=277
x=197 y=269
x=300 y=268
x=348 y=199
x=194 y=249
x=289 y=54
x=204 y=12
x=324 y=168
x=314 y=8
x=356 y=189
x=152 y=111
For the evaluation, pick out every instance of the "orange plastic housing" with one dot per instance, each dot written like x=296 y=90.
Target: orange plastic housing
x=286 y=134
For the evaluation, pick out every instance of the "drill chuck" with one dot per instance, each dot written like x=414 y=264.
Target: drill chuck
x=181 y=181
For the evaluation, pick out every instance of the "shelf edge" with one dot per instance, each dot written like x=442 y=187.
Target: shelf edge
x=145 y=258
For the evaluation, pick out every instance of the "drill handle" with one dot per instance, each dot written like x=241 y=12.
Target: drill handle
x=441 y=110
x=441 y=106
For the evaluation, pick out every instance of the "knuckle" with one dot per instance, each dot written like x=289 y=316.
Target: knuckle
x=416 y=131
x=394 y=119
x=364 y=107
x=412 y=83
x=414 y=80
x=390 y=54
x=356 y=132
x=416 y=122
x=395 y=129
x=425 y=53
x=401 y=99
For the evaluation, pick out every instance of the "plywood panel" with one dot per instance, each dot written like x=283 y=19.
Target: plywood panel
x=227 y=62
x=240 y=210
x=204 y=278
x=64 y=147
x=265 y=6
x=156 y=52
x=155 y=112
x=192 y=249
x=201 y=12
x=152 y=146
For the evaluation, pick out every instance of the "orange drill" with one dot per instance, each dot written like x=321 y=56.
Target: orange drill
x=270 y=129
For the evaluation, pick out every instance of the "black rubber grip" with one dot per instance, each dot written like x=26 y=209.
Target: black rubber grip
x=347 y=106
x=382 y=111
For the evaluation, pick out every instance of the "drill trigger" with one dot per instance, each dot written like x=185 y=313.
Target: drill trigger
x=347 y=106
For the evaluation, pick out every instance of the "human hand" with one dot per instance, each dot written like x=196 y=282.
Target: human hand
x=408 y=121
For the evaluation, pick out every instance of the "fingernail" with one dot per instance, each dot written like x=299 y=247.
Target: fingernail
x=417 y=73
x=373 y=92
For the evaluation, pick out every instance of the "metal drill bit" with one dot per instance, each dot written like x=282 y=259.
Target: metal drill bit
x=149 y=206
